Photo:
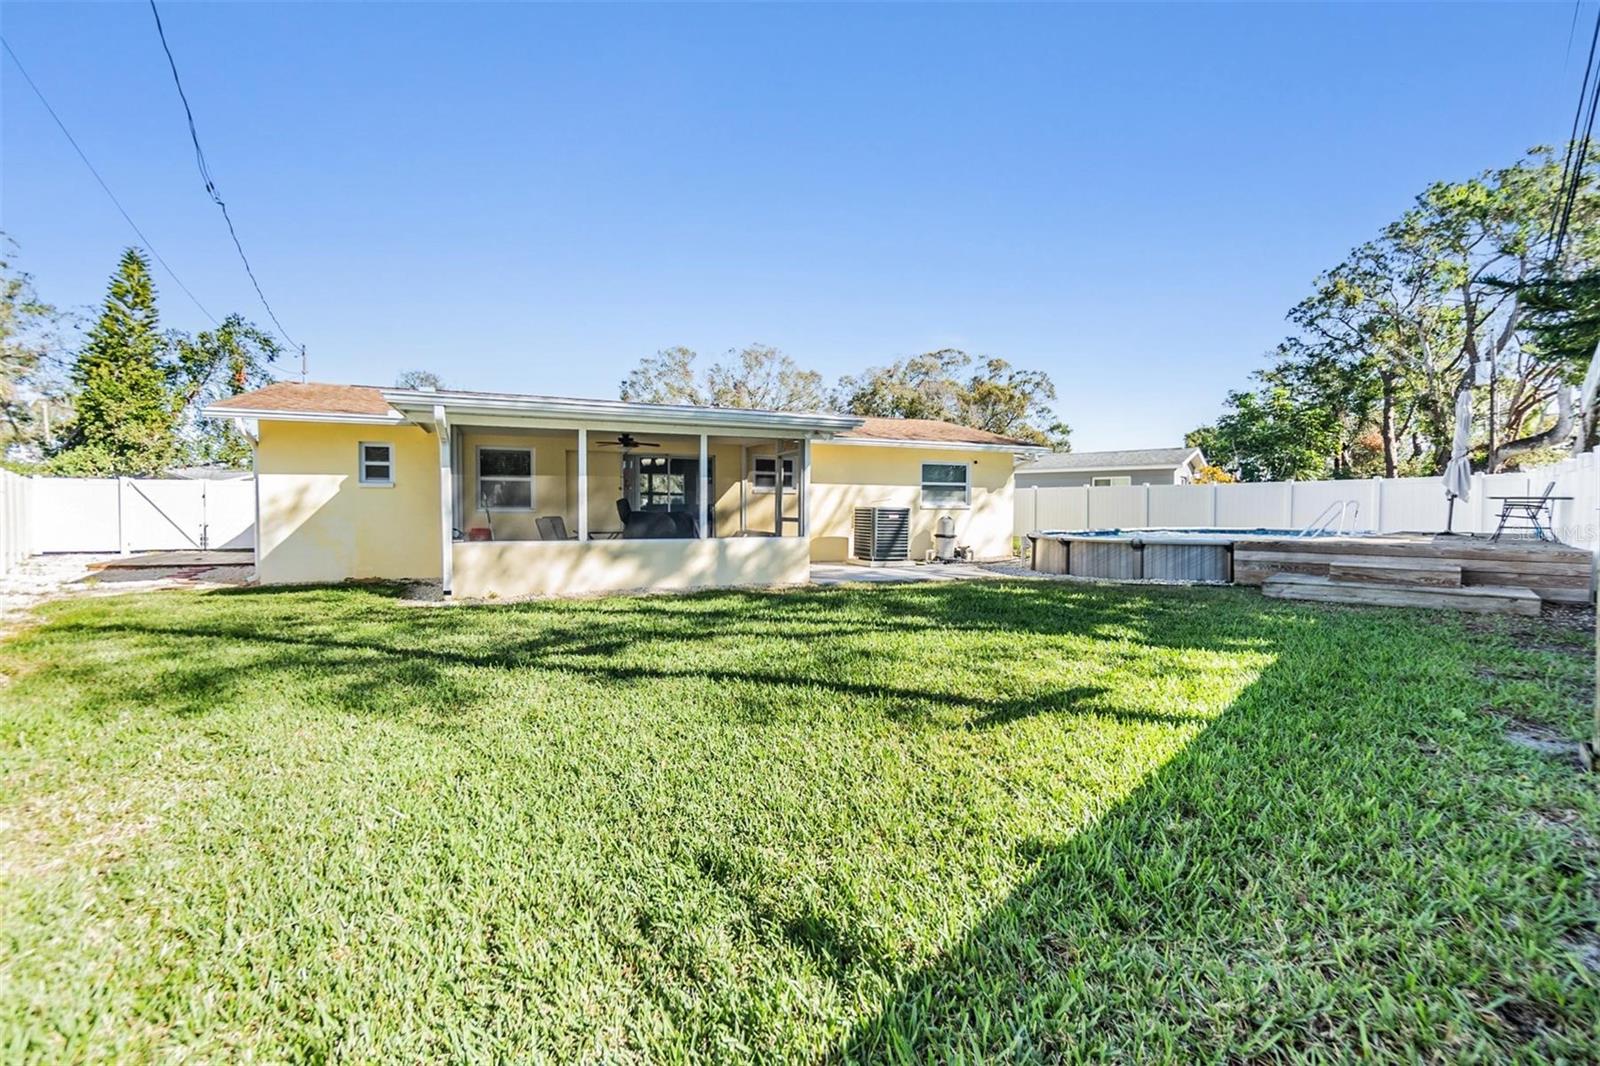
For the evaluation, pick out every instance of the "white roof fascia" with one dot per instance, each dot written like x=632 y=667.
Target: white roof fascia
x=613 y=413
x=272 y=415
x=940 y=445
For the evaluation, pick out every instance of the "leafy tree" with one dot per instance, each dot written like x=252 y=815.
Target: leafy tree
x=126 y=421
x=755 y=377
x=922 y=386
x=31 y=395
x=1441 y=301
x=996 y=397
x=1267 y=436
x=763 y=378
x=419 y=379
x=214 y=364
x=1213 y=475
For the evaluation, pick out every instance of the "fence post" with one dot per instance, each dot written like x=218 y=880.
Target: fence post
x=122 y=527
x=1214 y=488
x=6 y=504
x=1288 y=504
x=1146 y=522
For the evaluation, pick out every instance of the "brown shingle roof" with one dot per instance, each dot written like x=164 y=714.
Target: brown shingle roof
x=310 y=398
x=314 y=398
x=927 y=429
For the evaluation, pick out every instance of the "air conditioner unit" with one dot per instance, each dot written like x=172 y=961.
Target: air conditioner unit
x=882 y=535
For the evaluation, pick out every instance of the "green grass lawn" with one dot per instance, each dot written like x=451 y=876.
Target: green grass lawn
x=1016 y=821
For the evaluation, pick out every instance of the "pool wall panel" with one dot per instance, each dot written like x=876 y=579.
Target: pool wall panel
x=1186 y=562
x=1116 y=561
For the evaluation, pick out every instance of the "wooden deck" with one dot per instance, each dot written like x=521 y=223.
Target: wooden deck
x=1417 y=569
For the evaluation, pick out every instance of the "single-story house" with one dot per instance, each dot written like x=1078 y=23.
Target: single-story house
x=1137 y=466
x=498 y=494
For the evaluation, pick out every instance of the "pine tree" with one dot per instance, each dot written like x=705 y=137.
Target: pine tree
x=126 y=416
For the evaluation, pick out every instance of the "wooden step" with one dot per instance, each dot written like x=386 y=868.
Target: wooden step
x=1378 y=570
x=1494 y=599
x=1429 y=545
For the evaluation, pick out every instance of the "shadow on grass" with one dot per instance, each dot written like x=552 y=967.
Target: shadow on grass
x=367 y=663
x=1305 y=877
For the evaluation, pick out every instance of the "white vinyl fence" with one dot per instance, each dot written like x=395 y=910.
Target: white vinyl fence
x=1384 y=505
x=16 y=528
x=63 y=514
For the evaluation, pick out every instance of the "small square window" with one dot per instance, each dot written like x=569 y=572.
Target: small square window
x=946 y=485
x=1110 y=482
x=376 y=462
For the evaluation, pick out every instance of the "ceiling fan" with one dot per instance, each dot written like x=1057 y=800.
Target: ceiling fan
x=628 y=440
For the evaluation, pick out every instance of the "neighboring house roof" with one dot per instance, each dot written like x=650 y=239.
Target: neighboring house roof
x=1126 y=459
x=365 y=403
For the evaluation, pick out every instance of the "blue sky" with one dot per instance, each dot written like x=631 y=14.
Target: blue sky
x=530 y=198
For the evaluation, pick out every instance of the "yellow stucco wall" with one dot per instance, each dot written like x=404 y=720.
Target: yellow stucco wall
x=844 y=477
x=318 y=523
x=544 y=568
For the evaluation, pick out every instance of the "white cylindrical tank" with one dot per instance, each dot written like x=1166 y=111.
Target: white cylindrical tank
x=944 y=539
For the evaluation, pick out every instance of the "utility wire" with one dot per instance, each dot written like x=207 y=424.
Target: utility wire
x=1575 y=183
x=1571 y=32
x=205 y=175
x=62 y=126
x=1572 y=176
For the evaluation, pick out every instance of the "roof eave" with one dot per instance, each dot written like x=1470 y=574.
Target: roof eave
x=421 y=402
x=390 y=418
x=946 y=445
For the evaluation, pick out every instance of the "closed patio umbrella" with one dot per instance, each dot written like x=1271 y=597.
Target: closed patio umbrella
x=1458 y=475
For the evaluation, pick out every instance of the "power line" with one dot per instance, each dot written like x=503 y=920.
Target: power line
x=205 y=175
x=1577 y=151
x=62 y=126
x=1571 y=32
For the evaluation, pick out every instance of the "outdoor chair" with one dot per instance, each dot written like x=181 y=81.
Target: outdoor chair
x=1526 y=512
x=553 y=527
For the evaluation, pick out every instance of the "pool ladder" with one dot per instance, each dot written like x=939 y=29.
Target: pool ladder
x=1333 y=518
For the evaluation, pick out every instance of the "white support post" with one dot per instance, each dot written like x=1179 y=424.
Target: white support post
x=777 y=490
x=705 y=487
x=441 y=426
x=744 y=477
x=803 y=486
x=583 y=484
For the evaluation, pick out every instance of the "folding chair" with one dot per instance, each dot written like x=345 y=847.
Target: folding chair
x=1524 y=512
x=552 y=527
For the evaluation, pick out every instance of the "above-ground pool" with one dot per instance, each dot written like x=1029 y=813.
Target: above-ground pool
x=1147 y=554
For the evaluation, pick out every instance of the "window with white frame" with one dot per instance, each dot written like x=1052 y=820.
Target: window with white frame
x=764 y=473
x=946 y=485
x=505 y=479
x=1107 y=482
x=376 y=463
